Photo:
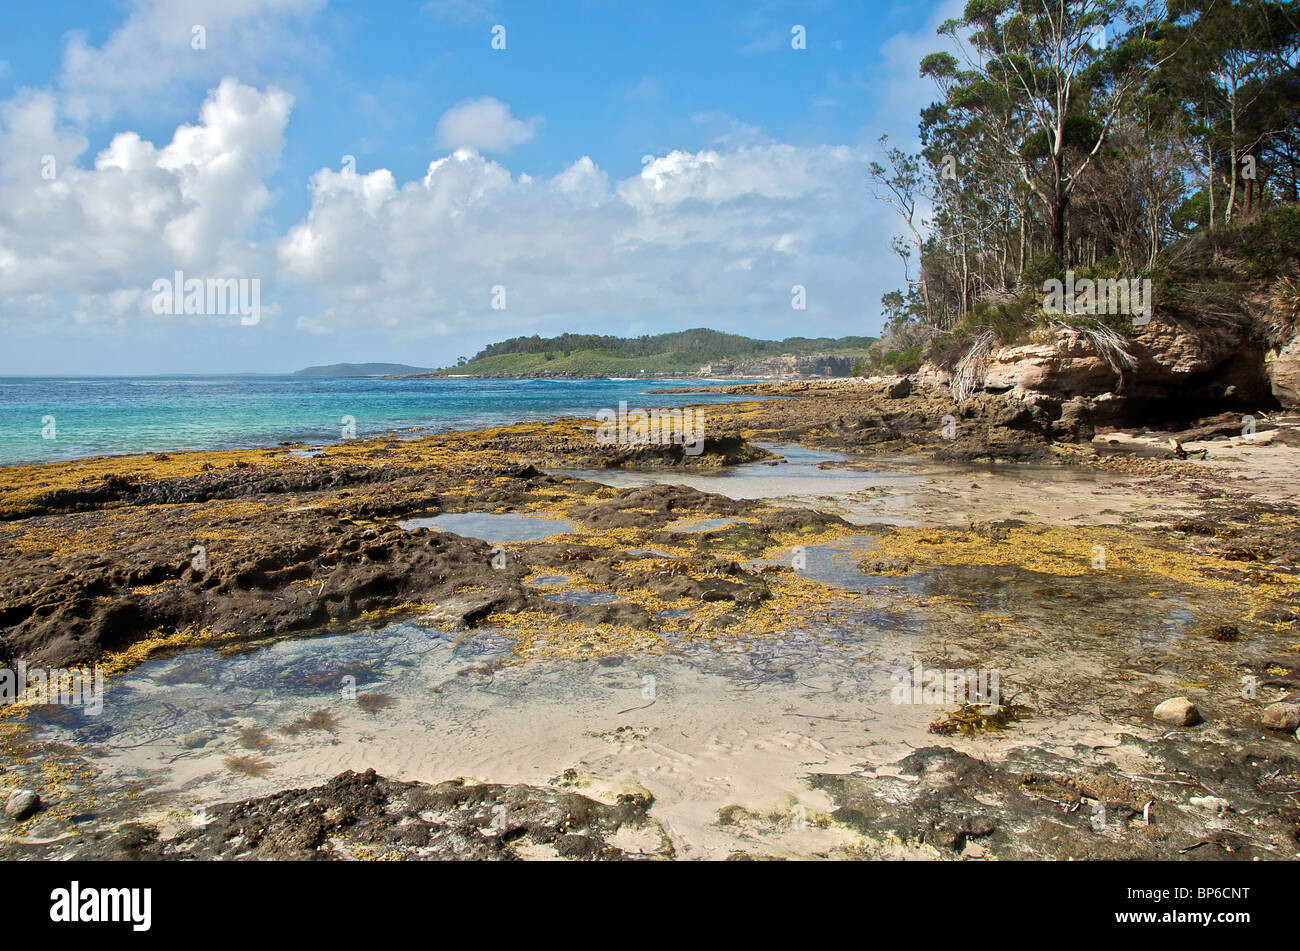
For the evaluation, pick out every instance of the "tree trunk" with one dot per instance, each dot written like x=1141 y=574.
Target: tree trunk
x=1209 y=174
x=1058 y=229
x=1060 y=204
x=1020 y=270
x=1232 y=152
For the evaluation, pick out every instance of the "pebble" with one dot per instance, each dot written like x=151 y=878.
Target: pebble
x=21 y=804
x=1212 y=803
x=1178 y=711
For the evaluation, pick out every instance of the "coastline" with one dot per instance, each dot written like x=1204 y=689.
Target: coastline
x=303 y=548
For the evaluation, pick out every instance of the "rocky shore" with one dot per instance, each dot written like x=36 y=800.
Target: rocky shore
x=113 y=561
x=360 y=816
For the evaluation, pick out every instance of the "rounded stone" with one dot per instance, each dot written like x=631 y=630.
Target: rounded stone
x=21 y=804
x=1178 y=711
x=1282 y=716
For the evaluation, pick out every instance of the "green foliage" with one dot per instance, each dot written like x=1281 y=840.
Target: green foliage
x=1270 y=243
x=1172 y=149
x=1040 y=268
x=699 y=345
x=904 y=361
x=670 y=354
x=1010 y=322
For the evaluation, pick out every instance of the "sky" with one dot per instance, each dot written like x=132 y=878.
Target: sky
x=410 y=181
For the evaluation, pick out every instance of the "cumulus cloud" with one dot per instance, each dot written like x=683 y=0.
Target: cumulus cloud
x=711 y=237
x=102 y=235
x=484 y=125
x=31 y=130
x=718 y=236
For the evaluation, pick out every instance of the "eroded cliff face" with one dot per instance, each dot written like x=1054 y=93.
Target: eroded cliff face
x=1220 y=362
x=1178 y=367
x=1063 y=365
x=1283 y=368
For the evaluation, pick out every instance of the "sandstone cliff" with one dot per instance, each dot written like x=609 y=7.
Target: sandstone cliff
x=1179 y=366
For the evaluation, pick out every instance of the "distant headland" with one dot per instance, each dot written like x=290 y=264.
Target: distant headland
x=361 y=369
x=687 y=353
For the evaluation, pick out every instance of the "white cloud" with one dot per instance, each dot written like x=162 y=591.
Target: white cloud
x=485 y=125
x=712 y=237
x=30 y=130
x=102 y=235
x=150 y=59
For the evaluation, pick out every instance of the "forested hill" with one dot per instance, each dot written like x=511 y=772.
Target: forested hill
x=681 y=353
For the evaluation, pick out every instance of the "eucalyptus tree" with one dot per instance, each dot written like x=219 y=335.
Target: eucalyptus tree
x=903 y=186
x=1037 y=80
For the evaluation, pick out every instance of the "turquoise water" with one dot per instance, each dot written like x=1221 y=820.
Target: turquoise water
x=48 y=419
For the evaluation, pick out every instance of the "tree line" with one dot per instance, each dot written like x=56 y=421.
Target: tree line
x=1089 y=135
x=706 y=345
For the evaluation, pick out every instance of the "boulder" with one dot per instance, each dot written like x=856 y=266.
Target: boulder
x=1170 y=351
x=21 y=804
x=900 y=389
x=1199 y=361
x=1282 y=716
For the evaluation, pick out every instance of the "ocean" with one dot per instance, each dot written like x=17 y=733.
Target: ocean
x=47 y=419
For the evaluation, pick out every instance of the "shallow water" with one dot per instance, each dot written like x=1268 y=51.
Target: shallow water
x=1144 y=617
x=738 y=718
x=580 y=596
x=702 y=525
x=494 y=527
x=909 y=491
x=416 y=703
x=801 y=476
x=203 y=727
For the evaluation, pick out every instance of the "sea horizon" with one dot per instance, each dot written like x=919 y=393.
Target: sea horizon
x=61 y=418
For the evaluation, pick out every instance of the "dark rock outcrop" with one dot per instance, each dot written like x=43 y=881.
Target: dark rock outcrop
x=365 y=816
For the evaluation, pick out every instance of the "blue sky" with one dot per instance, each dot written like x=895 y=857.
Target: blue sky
x=617 y=168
